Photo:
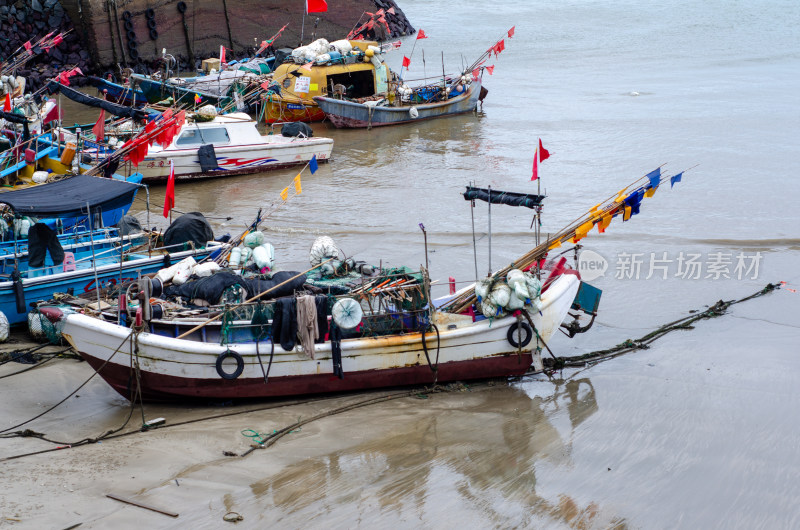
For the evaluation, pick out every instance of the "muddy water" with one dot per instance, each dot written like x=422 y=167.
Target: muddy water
x=696 y=432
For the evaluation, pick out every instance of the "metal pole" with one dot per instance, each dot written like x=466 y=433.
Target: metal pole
x=94 y=262
x=490 y=230
x=474 y=242
x=425 y=235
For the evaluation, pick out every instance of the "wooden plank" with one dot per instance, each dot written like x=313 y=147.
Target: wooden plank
x=140 y=504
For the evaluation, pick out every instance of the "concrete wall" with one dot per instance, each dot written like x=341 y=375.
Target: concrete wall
x=207 y=24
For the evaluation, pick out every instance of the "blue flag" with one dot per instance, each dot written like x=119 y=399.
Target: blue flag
x=655 y=177
x=312 y=165
x=676 y=178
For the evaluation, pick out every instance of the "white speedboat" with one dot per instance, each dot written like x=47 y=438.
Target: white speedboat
x=236 y=148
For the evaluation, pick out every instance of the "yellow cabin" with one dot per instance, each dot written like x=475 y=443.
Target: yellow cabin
x=357 y=75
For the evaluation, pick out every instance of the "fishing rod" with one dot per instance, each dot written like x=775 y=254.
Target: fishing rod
x=483 y=56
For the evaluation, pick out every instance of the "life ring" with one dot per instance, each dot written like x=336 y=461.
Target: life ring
x=181 y=7
x=512 y=334
x=150 y=13
x=128 y=25
x=151 y=24
x=239 y=365
x=126 y=15
x=153 y=34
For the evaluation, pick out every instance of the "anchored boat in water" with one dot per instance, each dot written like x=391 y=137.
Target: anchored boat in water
x=229 y=145
x=421 y=104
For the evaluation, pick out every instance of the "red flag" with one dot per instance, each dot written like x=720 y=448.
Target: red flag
x=490 y=69
x=500 y=46
x=7 y=104
x=544 y=154
x=316 y=6
x=390 y=11
x=222 y=55
x=28 y=47
x=169 y=197
x=535 y=174
x=511 y=32
x=421 y=35
x=100 y=127
x=52 y=114
x=406 y=62
x=476 y=73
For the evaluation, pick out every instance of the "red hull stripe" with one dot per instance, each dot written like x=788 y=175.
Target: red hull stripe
x=158 y=387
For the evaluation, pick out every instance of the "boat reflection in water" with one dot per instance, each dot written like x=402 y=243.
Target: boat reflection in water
x=464 y=457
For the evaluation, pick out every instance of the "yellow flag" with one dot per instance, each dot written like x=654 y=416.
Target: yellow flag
x=285 y=193
x=298 y=189
x=627 y=214
x=582 y=230
x=594 y=208
x=554 y=244
x=620 y=196
x=650 y=192
x=603 y=224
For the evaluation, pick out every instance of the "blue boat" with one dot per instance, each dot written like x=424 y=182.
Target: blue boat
x=124 y=95
x=107 y=264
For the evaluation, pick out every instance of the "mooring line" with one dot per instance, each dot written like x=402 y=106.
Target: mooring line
x=718 y=309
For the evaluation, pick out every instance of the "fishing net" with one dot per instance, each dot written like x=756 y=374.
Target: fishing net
x=42 y=329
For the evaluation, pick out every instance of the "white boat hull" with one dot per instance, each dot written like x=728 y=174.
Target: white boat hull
x=184 y=369
x=235 y=159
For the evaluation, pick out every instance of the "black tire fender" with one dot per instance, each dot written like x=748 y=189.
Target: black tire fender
x=133 y=53
x=128 y=24
x=151 y=24
x=153 y=34
x=150 y=13
x=126 y=15
x=132 y=45
x=512 y=334
x=239 y=365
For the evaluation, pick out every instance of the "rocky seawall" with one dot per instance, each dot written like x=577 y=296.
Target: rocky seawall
x=108 y=35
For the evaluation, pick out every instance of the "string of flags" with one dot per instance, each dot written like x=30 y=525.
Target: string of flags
x=296 y=182
x=625 y=204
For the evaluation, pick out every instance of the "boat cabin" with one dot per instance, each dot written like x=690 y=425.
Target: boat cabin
x=357 y=73
x=230 y=129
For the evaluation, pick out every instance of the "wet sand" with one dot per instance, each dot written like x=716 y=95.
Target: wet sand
x=625 y=443
x=699 y=431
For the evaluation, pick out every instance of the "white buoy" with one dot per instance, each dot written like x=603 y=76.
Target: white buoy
x=347 y=313
x=4 y=327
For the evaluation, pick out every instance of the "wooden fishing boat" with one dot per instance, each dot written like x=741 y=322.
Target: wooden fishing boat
x=344 y=113
x=180 y=369
x=122 y=94
x=359 y=73
x=156 y=90
x=238 y=148
x=107 y=261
